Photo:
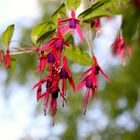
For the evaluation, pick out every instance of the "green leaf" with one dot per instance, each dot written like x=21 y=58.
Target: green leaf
x=7 y=35
x=97 y=10
x=103 y=8
x=78 y=55
x=41 y=31
x=59 y=13
x=73 y=4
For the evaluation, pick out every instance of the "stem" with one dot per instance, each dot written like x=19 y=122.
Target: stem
x=89 y=41
x=22 y=52
x=24 y=42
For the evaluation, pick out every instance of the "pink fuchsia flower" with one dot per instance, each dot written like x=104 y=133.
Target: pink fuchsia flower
x=119 y=48
x=51 y=88
x=58 y=42
x=46 y=59
x=96 y=24
x=7 y=59
x=73 y=24
x=65 y=74
x=56 y=46
x=52 y=91
x=91 y=81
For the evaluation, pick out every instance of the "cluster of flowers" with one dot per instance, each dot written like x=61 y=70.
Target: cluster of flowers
x=51 y=54
x=58 y=68
x=60 y=71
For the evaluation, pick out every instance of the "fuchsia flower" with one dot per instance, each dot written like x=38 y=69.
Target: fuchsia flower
x=119 y=48
x=7 y=59
x=96 y=23
x=90 y=81
x=56 y=44
x=73 y=24
x=46 y=59
x=51 y=92
x=52 y=85
x=65 y=74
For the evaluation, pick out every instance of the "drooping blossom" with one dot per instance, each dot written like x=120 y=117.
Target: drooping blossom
x=96 y=24
x=51 y=87
x=90 y=81
x=73 y=24
x=51 y=93
x=56 y=44
x=65 y=74
x=46 y=59
x=119 y=48
x=7 y=59
x=51 y=90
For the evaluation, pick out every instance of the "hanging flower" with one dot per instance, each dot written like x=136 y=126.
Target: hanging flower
x=96 y=24
x=119 y=48
x=91 y=81
x=65 y=74
x=52 y=91
x=73 y=24
x=56 y=44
